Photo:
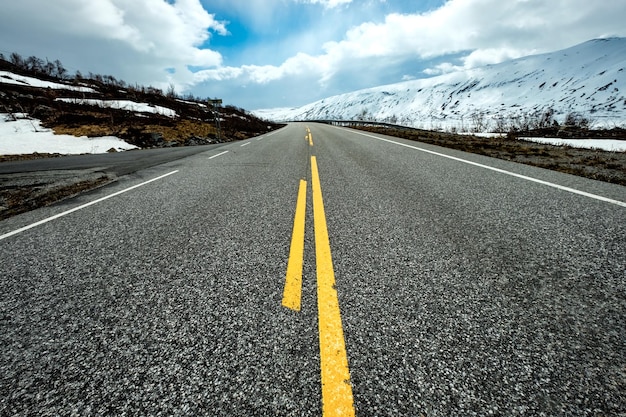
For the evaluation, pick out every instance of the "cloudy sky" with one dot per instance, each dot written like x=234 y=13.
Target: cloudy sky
x=279 y=53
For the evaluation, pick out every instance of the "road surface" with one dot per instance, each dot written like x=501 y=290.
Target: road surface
x=423 y=282
x=117 y=164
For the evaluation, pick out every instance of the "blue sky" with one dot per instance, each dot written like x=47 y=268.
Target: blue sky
x=280 y=53
x=267 y=34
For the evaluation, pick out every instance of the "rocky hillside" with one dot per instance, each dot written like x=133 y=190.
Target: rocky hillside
x=98 y=105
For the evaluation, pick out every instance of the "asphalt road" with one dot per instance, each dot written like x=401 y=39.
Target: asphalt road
x=462 y=290
x=117 y=164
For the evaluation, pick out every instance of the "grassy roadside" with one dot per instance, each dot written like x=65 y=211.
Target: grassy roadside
x=589 y=163
x=19 y=196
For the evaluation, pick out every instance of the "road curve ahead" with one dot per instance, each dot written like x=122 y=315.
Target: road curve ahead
x=319 y=271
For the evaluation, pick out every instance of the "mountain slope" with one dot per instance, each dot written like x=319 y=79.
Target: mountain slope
x=101 y=106
x=589 y=79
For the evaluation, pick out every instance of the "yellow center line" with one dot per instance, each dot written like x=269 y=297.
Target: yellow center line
x=337 y=398
x=308 y=136
x=293 y=281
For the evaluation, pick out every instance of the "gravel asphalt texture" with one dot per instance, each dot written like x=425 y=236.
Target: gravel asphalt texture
x=26 y=184
x=462 y=291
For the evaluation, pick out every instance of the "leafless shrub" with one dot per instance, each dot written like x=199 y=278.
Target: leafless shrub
x=500 y=123
x=479 y=122
x=577 y=120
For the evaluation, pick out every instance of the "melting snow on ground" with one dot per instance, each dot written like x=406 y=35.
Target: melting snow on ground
x=602 y=144
x=611 y=145
x=10 y=78
x=25 y=135
x=123 y=105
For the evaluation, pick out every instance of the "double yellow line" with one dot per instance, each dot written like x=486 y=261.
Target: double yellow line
x=337 y=398
x=309 y=137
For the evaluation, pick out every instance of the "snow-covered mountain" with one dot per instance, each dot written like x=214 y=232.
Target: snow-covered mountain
x=588 y=79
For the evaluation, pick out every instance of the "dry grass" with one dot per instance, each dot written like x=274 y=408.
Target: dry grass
x=22 y=199
x=183 y=129
x=178 y=130
x=590 y=163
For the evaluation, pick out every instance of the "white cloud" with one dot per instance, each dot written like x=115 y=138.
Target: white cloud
x=493 y=29
x=485 y=31
x=142 y=24
x=442 y=68
x=486 y=56
x=327 y=3
x=138 y=38
x=263 y=74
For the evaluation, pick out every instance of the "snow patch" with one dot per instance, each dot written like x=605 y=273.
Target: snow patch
x=601 y=144
x=122 y=105
x=25 y=135
x=611 y=145
x=7 y=77
x=193 y=103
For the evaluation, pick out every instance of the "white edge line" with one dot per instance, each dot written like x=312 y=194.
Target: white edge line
x=219 y=154
x=56 y=216
x=502 y=171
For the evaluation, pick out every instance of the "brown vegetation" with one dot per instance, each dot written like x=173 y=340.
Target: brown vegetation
x=19 y=199
x=589 y=163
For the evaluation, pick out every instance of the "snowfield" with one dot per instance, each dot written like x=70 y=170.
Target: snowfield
x=26 y=135
x=588 y=79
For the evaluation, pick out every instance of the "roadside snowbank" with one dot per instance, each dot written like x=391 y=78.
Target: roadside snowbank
x=612 y=145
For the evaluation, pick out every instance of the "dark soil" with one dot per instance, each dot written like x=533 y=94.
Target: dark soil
x=20 y=193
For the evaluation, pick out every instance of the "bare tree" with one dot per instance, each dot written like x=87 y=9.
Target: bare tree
x=574 y=119
x=17 y=60
x=32 y=63
x=501 y=125
x=171 y=91
x=48 y=68
x=478 y=122
x=547 y=118
x=61 y=72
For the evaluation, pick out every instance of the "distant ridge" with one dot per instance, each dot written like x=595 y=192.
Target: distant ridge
x=588 y=80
